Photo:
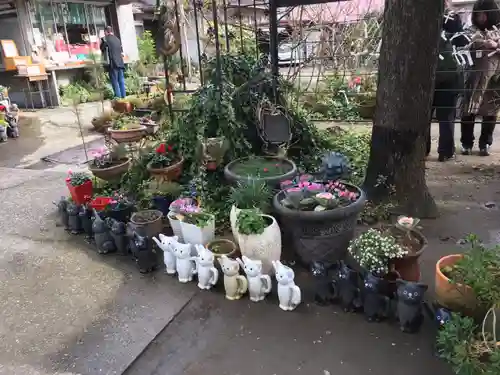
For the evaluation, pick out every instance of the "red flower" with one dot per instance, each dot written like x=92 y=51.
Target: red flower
x=357 y=80
x=170 y=147
x=161 y=149
x=266 y=170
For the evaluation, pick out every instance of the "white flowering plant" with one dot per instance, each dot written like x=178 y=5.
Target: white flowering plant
x=373 y=250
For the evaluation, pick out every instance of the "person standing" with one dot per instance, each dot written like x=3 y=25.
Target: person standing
x=448 y=86
x=482 y=84
x=111 y=47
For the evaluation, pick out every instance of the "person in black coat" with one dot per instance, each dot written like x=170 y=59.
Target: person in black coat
x=111 y=47
x=449 y=85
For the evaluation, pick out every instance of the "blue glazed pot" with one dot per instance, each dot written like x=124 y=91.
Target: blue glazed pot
x=162 y=204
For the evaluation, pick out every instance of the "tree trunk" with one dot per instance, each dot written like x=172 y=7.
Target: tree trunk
x=407 y=65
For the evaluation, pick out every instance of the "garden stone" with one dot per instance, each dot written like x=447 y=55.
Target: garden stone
x=490 y=205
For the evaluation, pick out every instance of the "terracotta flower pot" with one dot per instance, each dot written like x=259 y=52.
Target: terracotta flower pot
x=170 y=173
x=122 y=106
x=222 y=246
x=456 y=297
x=82 y=193
x=128 y=135
x=409 y=267
x=114 y=172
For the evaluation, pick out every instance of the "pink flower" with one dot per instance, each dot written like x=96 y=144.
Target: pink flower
x=293 y=190
x=352 y=195
x=326 y=196
x=357 y=80
x=70 y=172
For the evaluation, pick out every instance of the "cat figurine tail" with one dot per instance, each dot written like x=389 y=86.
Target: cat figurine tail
x=289 y=294
x=410 y=305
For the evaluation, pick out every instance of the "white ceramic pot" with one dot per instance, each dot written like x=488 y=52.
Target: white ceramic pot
x=196 y=235
x=265 y=247
x=175 y=224
x=233 y=216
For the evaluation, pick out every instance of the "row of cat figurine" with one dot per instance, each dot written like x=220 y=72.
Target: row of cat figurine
x=370 y=294
x=179 y=260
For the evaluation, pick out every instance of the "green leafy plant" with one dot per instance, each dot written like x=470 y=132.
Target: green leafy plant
x=164 y=155
x=77 y=178
x=479 y=268
x=251 y=222
x=200 y=219
x=125 y=122
x=251 y=194
x=147 y=48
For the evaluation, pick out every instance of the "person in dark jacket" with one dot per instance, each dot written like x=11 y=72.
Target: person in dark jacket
x=111 y=47
x=448 y=85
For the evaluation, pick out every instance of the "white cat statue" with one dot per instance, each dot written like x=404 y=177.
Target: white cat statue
x=258 y=284
x=167 y=244
x=235 y=284
x=185 y=263
x=289 y=294
x=208 y=275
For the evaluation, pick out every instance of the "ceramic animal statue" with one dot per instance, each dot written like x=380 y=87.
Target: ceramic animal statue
x=167 y=245
x=185 y=264
x=74 y=222
x=258 y=284
x=130 y=235
x=118 y=231
x=86 y=220
x=442 y=317
x=3 y=133
x=146 y=259
x=103 y=240
x=62 y=205
x=235 y=284
x=409 y=306
x=347 y=289
x=375 y=303
x=289 y=294
x=13 y=128
x=208 y=275
x=323 y=289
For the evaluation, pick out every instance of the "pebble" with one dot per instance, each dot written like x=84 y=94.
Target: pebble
x=490 y=205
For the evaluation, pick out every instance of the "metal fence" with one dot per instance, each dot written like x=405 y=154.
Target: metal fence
x=325 y=54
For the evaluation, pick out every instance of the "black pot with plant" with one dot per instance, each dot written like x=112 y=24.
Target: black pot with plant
x=162 y=194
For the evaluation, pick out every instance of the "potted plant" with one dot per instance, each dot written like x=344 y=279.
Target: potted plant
x=214 y=150
x=374 y=251
x=220 y=247
x=196 y=225
x=162 y=194
x=109 y=166
x=319 y=217
x=469 y=283
x=103 y=122
x=80 y=187
x=149 y=220
x=271 y=170
x=152 y=127
x=165 y=163
x=126 y=129
x=119 y=208
x=259 y=237
x=122 y=105
x=247 y=195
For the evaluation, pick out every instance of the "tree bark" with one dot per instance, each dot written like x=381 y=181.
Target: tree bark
x=407 y=65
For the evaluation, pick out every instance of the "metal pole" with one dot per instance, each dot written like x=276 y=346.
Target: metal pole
x=273 y=39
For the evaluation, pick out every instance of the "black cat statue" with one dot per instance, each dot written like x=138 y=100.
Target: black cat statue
x=442 y=317
x=146 y=259
x=375 y=303
x=410 y=303
x=62 y=205
x=347 y=289
x=103 y=240
x=86 y=220
x=119 y=234
x=323 y=288
x=74 y=222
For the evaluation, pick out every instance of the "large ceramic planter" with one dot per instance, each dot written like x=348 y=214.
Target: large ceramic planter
x=170 y=173
x=114 y=172
x=197 y=235
x=151 y=226
x=128 y=135
x=232 y=176
x=82 y=193
x=233 y=217
x=175 y=224
x=408 y=267
x=456 y=297
x=151 y=127
x=265 y=247
x=320 y=235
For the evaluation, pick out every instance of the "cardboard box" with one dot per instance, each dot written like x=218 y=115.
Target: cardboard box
x=11 y=63
x=31 y=69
